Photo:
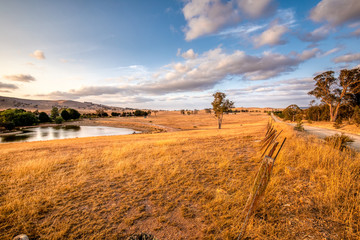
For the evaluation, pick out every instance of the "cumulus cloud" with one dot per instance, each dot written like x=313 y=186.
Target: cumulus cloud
x=8 y=86
x=202 y=73
x=189 y=54
x=38 y=54
x=336 y=12
x=207 y=16
x=271 y=36
x=20 y=78
x=256 y=9
x=347 y=58
x=316 y=35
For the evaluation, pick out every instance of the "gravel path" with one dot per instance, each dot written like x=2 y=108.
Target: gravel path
x=323 y=132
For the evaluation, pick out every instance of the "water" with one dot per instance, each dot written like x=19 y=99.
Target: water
x=62 y=132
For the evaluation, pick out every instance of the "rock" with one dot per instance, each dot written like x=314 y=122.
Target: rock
x=21 y=237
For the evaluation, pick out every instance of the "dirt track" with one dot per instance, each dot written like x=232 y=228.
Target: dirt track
x=322 y=133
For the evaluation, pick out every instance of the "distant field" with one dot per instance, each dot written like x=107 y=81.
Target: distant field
x=189 y=184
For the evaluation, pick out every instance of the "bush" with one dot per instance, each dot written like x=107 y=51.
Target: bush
x=43 y=117
x=54 y=112
x=337 y=123
x=74 y=114
x=17 y=117
x=139 y=113
x=338 y=141
x=65 y=115
x=59 y=120
x=299 y=126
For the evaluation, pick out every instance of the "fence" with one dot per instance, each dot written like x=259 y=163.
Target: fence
x=270 y=145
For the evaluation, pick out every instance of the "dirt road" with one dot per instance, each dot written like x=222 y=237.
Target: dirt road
x=322 y=133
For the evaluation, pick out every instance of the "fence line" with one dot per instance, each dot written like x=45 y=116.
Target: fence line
x=270 y=144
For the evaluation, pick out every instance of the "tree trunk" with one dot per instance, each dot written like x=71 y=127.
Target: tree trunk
x=336 y=111
x=331 y=113
x=219 y=121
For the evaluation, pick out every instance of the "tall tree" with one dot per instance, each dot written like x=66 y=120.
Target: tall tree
x=334 y=91
x=221 y=105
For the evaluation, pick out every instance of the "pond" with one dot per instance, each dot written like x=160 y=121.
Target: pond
x=62 y=132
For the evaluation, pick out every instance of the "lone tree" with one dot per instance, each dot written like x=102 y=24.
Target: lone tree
x=334 y=91
x=221 y=105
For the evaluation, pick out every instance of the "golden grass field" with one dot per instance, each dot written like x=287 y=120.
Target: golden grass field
x=190 y=184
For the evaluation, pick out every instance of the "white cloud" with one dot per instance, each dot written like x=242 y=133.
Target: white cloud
x=189 y=54
x=242 y=31
x=347 y=58
x=331 y=51
x=20 y=78
x=317 y=35
x=307 y=54
x=207 y=16
x=256 y=9
x=201 y=73
x=336 y=12
x=38 y=54
x=271 y=36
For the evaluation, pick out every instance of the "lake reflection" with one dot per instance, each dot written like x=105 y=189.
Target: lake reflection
x=62 y=132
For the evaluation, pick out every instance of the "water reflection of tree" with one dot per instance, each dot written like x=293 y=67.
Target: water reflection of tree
x=72 y=127
x=15 y=138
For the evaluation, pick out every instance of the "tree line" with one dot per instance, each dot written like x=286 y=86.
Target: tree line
x=12 y=118
x=339 y=99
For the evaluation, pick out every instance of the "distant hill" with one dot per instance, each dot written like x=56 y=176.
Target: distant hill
x=46 y=105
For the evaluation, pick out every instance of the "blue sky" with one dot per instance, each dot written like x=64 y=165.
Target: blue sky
x=174 y=54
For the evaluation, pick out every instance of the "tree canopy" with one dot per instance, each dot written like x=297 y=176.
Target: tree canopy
x=336 y=91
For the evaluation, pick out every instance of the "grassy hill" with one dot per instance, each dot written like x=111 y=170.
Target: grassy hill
x=46 y=105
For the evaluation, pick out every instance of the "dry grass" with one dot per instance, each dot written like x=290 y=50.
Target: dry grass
x=175 y=120
x=178 y=185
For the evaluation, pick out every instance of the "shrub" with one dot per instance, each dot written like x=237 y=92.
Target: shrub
x=338 y=141
x=17 y=117
x=54 y=112
x=43 y=117
x=299 y=126
x=337 y=123
x=59 y=120
x=74 y=114
x=65 y=115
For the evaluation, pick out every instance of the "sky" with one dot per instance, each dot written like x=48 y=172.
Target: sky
x=174 y=54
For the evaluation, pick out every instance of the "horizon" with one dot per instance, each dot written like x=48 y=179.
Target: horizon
x=174 y=54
